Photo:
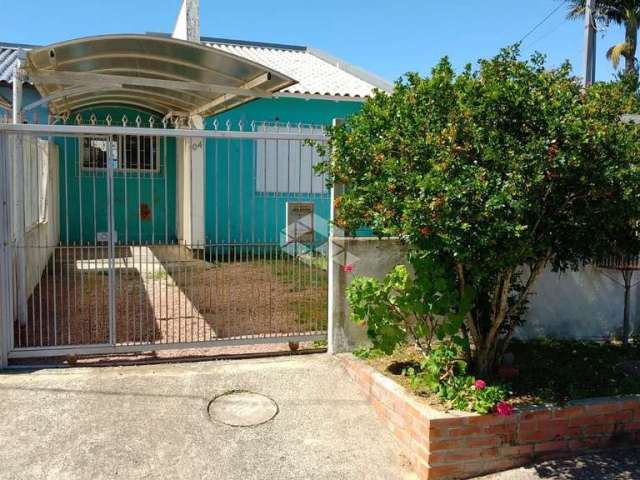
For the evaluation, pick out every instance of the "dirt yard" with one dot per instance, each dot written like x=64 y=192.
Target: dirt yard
x=165 y=295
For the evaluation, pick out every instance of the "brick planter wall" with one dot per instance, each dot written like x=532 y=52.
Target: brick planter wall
x=457 y=445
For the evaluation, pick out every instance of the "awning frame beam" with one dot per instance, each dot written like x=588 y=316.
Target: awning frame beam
x=250 y=85
x=61 y=94
x=102 y=80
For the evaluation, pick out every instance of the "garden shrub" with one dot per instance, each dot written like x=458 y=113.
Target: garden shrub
x=422 y=306
x=444 y=372
x=497 y=172
x=419 y=306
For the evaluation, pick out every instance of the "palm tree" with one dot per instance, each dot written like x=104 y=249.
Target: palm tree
x=620 y=12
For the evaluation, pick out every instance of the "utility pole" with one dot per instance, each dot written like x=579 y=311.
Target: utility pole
x=589 y=43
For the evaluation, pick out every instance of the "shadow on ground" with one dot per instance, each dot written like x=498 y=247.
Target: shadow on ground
x=623 y=464
x=617 y=464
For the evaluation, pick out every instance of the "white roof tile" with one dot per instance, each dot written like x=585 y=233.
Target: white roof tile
x=8 y=58
x=315 y=75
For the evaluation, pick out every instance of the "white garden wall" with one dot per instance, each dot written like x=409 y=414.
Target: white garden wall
x=578 y=305
x=46 y=232
x=587 y=305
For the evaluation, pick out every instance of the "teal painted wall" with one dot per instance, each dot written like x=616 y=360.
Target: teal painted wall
x=235 y=212
x=29 y=95
x=83 y=192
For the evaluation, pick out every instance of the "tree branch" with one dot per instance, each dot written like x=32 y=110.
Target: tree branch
x=499 y=308
x=473 y=328
x=533 y=275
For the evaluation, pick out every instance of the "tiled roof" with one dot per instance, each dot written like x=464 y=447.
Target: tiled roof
x=316 y=72
x=8 y=58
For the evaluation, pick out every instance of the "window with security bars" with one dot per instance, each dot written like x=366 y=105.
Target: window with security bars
x=126 y=153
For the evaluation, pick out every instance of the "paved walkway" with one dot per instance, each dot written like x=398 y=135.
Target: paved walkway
x=151 y=421
x=612 y=465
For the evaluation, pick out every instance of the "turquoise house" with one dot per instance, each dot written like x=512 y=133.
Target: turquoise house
x=234 y=196
x=164 y=191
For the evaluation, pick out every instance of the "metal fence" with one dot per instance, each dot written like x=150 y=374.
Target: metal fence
x=120 y=238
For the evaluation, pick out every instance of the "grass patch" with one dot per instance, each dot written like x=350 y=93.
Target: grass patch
x=309 y=314
x=298 y=275
x=160 y=275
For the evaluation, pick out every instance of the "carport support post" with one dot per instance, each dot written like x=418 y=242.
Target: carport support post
x=196 y=147
x=336 y=275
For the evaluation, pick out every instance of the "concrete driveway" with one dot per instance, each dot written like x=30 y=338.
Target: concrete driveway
x=152 y=421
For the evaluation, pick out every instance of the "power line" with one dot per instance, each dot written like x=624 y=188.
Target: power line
x=541 y=22
x=528 y=46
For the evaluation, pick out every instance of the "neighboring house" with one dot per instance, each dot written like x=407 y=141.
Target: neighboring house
x=8 y=59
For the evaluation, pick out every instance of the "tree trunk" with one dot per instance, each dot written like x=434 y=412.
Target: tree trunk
x=631 y=41
x=491 y=343
x=484 y=362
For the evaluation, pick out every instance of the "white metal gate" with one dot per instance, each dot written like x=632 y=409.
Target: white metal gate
x=126 y=239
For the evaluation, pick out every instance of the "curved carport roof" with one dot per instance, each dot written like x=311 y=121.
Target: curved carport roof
x=155 y=73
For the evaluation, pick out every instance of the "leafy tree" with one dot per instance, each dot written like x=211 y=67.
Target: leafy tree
x=496 y=172
x=620 y=12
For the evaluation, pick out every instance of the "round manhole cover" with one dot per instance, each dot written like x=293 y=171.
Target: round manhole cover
x=242 y=409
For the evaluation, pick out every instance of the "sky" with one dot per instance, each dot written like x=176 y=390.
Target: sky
x=386 y=37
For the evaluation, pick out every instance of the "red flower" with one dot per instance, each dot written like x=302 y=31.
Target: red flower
x=425 y=231
x=504 y=409
x=480 y=384
x=347 y=267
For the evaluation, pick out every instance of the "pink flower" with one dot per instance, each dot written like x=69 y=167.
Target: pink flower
x=347 y=267
x=425 y=231
x=480 y=384
x=504 y=409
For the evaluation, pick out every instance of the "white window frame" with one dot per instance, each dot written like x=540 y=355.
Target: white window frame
x=120 y=166
x=287 y=166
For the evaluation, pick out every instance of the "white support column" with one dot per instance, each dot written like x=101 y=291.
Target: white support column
x=196 y=183
x=190 y=184
x=336 y=275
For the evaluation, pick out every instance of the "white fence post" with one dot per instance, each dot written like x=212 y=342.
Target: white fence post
x=335 y=275
x=6 y=297
x=17 y=189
